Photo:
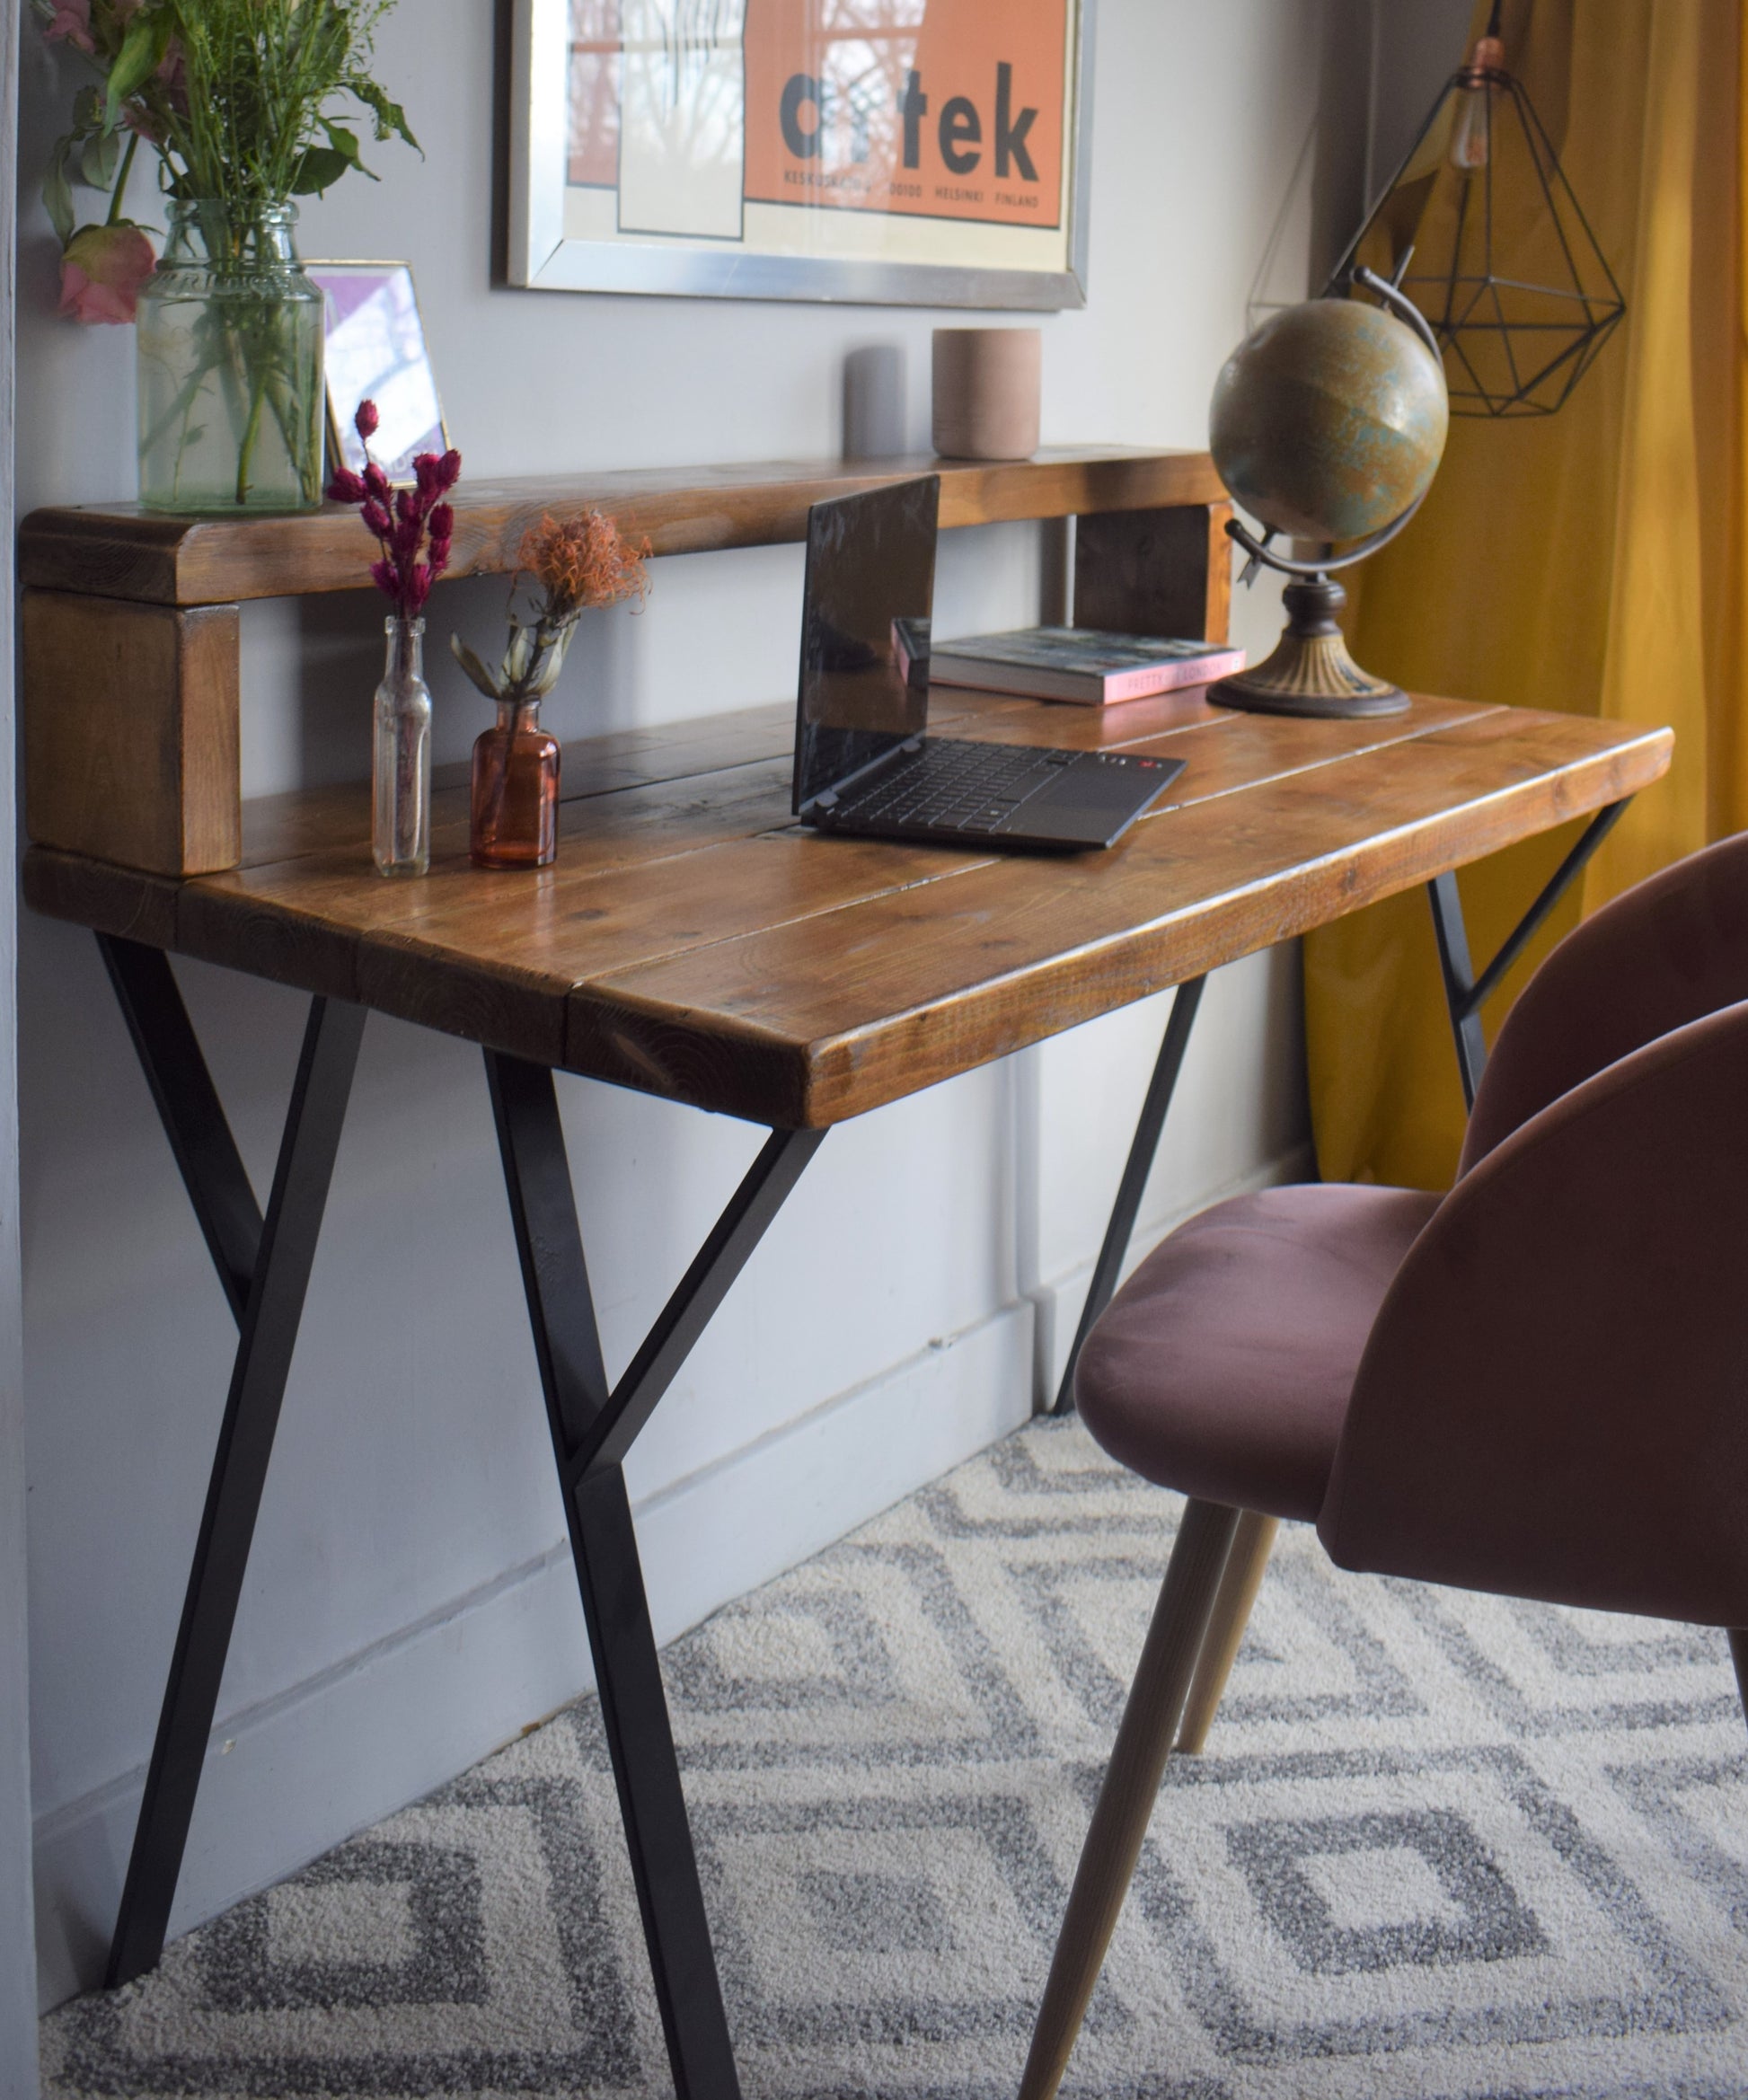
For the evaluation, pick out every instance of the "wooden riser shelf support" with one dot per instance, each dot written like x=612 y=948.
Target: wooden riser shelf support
x=132 y=622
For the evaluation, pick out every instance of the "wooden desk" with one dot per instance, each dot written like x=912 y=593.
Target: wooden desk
x=691 y=942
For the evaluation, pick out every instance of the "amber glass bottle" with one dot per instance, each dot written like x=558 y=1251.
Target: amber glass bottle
x=514 y=809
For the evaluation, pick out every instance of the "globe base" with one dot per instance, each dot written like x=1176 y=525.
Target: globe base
x=1311 y=672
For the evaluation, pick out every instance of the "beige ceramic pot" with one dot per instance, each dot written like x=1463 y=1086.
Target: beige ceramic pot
x=986 y=385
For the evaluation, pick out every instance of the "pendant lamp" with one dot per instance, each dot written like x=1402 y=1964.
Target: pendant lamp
x=1482 y=230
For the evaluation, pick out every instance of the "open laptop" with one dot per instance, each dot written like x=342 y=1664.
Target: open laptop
x=865 y=761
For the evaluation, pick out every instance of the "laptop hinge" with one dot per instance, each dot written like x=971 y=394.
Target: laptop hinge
x=827 y=798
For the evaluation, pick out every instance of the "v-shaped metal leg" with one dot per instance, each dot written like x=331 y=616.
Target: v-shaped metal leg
x=264 y=1266
x=1107 y=1270
x=1465 y=994
x=593 y=1428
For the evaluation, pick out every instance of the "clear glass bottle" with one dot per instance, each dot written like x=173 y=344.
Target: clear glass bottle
x=229 y=361
x=513 y=808
x=400 y=759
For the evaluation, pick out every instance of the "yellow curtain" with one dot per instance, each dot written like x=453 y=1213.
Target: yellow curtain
x=1591 y=561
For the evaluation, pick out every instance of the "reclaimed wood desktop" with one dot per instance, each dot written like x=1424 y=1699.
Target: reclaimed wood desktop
x=694 y=943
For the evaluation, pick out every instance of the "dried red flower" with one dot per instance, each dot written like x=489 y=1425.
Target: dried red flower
x=402 y=521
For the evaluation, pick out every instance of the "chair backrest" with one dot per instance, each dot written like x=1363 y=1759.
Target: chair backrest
x=1667 y=951
x=1553 y=1402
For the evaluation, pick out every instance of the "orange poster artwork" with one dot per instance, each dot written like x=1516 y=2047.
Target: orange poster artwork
x=932 y=152
x=936 y=108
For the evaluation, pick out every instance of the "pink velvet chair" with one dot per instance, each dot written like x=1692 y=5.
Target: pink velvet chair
x=1536 y=1385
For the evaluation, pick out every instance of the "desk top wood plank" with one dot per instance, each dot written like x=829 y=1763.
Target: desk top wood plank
x=619 y=894
x=120 y=551
x=694 y=942
x=897 y=992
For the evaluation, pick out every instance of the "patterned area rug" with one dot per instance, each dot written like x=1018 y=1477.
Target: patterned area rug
x=1438 y=1845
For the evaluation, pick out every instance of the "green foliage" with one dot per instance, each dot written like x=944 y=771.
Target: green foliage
x=245 y=101
x=261 y=76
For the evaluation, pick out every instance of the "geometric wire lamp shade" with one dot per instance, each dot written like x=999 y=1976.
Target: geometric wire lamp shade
x=1501 y=259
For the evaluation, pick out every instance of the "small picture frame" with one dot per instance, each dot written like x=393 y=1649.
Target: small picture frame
x=375 y=351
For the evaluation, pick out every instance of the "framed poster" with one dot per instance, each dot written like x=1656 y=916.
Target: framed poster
x=906 y=152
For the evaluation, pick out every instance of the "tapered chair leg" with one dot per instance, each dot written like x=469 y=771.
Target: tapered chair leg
x=1252 y=1544
x=1131 y=1787
x=1739 y=1656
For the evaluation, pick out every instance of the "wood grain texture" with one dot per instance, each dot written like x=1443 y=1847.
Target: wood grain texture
x=132 y=716
x=1156 y=572
x=900 y=992
x=131 y=731
x=693 y=942
x=118 y=551
x=1246 y=1564
x=1131 y=1788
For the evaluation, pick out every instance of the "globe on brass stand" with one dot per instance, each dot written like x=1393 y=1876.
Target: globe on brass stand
x=1327 y=424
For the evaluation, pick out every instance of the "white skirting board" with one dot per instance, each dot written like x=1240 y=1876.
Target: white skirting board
x=289 y=1779
x=295 y=1775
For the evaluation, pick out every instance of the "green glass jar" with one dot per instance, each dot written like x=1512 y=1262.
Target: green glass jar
x=231 y=406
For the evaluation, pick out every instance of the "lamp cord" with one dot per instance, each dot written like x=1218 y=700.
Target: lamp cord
x=1493 y=19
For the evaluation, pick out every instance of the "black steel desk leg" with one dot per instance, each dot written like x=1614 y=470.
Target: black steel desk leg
x=1459 y=974
x=1108 y=1268
x=276 y=1285
x=592 y=1428
x=187 y=1105
x=1465 y=994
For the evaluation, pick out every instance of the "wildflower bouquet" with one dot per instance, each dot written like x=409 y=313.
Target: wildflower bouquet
x=247 y=104
x=236 y=97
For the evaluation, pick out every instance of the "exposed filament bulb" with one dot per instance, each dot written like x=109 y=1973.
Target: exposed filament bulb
x=1470 y=132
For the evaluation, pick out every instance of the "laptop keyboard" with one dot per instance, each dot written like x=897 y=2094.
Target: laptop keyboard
x=952 y=785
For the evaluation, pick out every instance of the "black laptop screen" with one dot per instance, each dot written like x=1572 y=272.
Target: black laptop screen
x=869 y=592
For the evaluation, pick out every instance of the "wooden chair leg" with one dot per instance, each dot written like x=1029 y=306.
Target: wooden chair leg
x=1739 y=1656
x=1252 y=1544
x=1131 y=1787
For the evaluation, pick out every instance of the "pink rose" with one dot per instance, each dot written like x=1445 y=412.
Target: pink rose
x=102 y=272
x=71 y=25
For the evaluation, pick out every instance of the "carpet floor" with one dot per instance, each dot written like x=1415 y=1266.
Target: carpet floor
x=1438 y=1845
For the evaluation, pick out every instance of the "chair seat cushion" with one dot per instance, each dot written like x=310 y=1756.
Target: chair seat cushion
x=1223 y=1367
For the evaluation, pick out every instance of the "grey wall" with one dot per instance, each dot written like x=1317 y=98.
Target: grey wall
x=1417 y=45
x=17 y=1950
x=409 y=1604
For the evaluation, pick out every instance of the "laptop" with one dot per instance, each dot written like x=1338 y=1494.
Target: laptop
x=864 y=761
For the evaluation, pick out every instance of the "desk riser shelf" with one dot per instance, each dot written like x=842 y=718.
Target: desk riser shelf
x=120 y=551
x=132 y=630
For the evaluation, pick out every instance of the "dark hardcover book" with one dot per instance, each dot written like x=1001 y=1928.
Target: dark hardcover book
x=1079 y=664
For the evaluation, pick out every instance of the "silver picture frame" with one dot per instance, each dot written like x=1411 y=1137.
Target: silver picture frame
x=541 y=255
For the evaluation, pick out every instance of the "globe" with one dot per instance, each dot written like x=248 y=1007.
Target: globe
x=1329 y=420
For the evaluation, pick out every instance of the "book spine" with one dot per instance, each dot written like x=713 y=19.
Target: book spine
x=1154 y=678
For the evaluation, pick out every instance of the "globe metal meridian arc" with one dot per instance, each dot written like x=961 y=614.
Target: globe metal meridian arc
x=1328 y=423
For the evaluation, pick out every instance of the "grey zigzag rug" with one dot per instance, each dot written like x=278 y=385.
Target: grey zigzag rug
x=1439 y=1845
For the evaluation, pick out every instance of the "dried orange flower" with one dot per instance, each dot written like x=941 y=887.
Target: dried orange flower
x=582 y=561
